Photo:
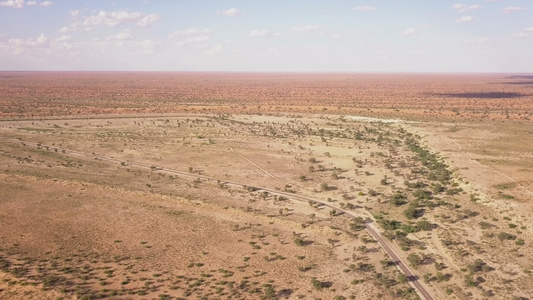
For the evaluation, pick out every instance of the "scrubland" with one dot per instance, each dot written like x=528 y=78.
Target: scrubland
x=259 y=186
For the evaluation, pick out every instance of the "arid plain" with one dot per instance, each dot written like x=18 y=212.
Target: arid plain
x=123 y=185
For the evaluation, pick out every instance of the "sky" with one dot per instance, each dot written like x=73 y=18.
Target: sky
x=468 y=36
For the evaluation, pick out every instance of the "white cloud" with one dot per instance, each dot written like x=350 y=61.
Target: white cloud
x=16 y=45
x=464 y=8
x=64 y=38
x=116 y=18
x=191 y=36
x=332 y=35
x=409 y=31
x=191 y=31
x=464 y=19
x=147 y=44
x=520 y=35
x=197 y=39
x=364 y=8
x=263 y=33
x=232 y=12
x=35 y=3
x=192 y=40
x=19 y=46
x=146 y=47
x=148 y=20
x=215 y=50
x=121 y=36
x=12 y=3
x=65 y=42
x=304 y=28
x=74 y=13
x=528 y=32
x=511 y=9
x=41 y=40
x=480 y=40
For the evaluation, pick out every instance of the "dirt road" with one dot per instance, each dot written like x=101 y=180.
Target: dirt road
x=370 y=227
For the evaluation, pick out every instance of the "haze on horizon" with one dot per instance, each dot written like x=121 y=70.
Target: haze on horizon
x=276 y=36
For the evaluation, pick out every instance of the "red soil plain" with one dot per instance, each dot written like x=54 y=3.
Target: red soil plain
x=408 y=96
x=139 y=185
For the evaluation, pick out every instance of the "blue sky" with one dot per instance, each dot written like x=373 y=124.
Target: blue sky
x=268 y=36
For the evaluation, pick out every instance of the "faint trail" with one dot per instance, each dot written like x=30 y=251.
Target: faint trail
x=440 y=249
x=370 y=227
x=260 y=168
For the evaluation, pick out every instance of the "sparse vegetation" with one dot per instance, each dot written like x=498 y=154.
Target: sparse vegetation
x=204 y=200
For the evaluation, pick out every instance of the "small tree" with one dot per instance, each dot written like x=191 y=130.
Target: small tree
x=427 y=277
x=298 y=241
x=506 y=236
x=402 y=278
x=363 y=249
x=317 y=284
x=270 y=292
x=423 y=225
x=414 y=259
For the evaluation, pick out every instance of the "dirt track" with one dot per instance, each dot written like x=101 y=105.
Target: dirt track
x=401 y=262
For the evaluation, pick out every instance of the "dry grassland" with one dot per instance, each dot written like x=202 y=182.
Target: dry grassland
x=150 y=186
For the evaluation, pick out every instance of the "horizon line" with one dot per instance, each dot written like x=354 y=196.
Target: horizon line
x=273 y=72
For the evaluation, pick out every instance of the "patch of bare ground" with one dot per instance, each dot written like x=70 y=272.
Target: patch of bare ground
x=82 y=216
x=94 y=241
x=193 y=185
